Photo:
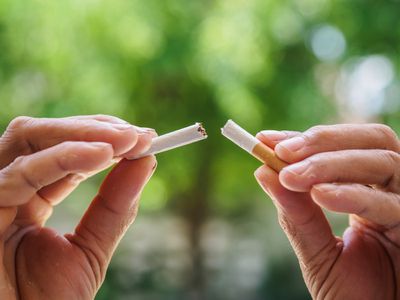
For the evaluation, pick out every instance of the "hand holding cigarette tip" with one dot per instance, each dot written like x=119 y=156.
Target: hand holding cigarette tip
x=41 y=162
x=44 y=160
x=330 y=168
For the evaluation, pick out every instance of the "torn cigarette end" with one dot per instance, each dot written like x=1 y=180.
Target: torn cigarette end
x=252 y=145
x=175 y=139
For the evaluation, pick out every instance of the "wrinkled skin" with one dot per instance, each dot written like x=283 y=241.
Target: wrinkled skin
x=352 y=169
x=41 y=162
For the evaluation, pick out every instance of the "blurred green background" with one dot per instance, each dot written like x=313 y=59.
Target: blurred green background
x=205 y=229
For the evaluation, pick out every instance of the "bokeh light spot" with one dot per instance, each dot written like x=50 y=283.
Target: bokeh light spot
x=328 y=43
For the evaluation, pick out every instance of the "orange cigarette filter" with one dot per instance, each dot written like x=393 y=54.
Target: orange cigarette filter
x=252 y=145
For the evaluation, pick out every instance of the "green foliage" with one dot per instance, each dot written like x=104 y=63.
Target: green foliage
x=167 y=64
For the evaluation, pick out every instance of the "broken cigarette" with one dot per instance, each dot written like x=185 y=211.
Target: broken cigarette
x=252 y=145
x=175 y=139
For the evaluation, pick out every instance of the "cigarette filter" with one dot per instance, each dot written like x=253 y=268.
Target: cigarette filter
x=252 y=145
x=175 y=139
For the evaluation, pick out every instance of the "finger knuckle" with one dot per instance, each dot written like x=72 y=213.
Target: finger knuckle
x=388 y=133
x=392 y=157
x=68 y=155
x=19 y=122
x=13 y=168
x=30 y=176
x=317 y=168
x=318 y=133
x=14 y=136
x=62 y=163
x=19 y=162
x=314 y=163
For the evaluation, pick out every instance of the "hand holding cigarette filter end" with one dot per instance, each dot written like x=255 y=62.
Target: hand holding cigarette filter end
x=252 y=145
x=175 y=139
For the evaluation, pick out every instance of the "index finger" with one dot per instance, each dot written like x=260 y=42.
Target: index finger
x=27 y=135
x=337 y=137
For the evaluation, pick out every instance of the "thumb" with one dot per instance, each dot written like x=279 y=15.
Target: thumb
x=305 y=226
x=111 y=212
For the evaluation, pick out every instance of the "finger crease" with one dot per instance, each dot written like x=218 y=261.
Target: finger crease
x=107 y=207
x=308 y=220
x=31 y=183
x=61 y=166
x=31 y=146
x=362 y=211
x=98 y=271
x=329 y=271
x=318 y=253
x=388 y=181
x=45 y=199
x=393 y=226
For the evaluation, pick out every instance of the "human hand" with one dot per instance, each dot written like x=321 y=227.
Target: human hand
x=41 y=162
x=330 y=168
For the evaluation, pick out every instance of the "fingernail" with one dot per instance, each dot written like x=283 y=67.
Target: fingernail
x=148 y=129
x=294 y=144
x=261 y=176
x=325 y=187
x=153 y=169
x=151 y=133
x=116 y=159
x=76 y=178
x=274 y=135
x=100 y=145
x=298 y=169
x=145 y=130
x=260 y=181
x=123 y=127
x=146 y=133
x=147 y=138
x=258 y=173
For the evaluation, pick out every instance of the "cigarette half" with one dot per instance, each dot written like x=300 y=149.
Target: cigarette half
x=252 y=145
x=175 y=139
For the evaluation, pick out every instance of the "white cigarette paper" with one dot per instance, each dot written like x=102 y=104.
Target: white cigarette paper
x=175 y=139
x=252 y=145
x=239 y=136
